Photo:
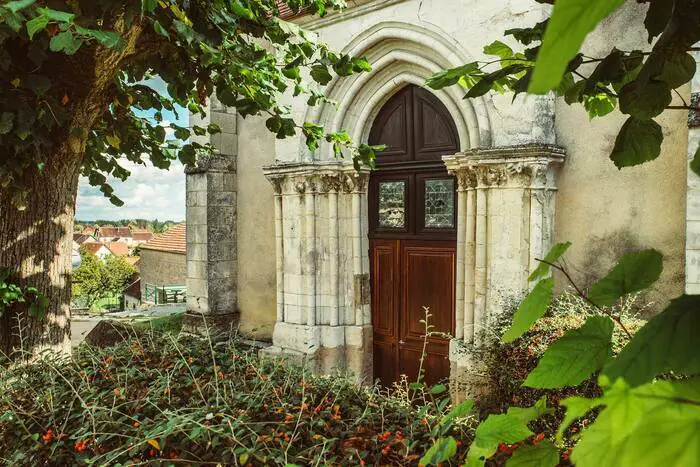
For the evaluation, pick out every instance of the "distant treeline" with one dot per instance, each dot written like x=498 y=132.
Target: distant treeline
x=154 y=225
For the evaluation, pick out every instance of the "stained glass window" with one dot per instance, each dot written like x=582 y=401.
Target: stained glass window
x=392 y=204
x=439 y=203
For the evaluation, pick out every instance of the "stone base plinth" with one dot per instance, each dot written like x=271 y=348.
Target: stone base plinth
x=325 y=349
x=217 y=327
x=469 y=378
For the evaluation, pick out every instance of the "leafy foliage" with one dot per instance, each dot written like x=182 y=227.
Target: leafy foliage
x=634 y=272
x=95 y=279
x=75 y=78
x=530 y=310
x=574 y=357
x=641 y=82
x=12 y=292
x=667 y=343
x=166 y=400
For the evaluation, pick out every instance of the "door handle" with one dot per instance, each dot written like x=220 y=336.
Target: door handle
x=401 y=342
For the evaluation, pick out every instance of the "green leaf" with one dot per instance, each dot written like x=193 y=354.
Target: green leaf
x=443 y=450
x=575 y=356
x=639 y=141
x=678 y=70
x=17 y=5
x=544 y=454
x=157 y=27
x=645 y=102
x=635 y=271
x=55 y=15
x=37 y=24
x=320 y=74
x=6 y=119
x=576 y=407
x=449 y=77
x=658 y=15
x=666 y=435
x=695 y=163
x=530 y=310
x=667 y=342
x=569 y=24
x=654 y=424
x=599 y=104
x=554 y=254
x=498 y=49
x=61 y=42
x=461 y=410
x=109 y=39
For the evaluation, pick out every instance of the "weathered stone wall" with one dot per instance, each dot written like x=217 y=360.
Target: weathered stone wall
x=606 y=212
x=162 y=268
x=255 y=230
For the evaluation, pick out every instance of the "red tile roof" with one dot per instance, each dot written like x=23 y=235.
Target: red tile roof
x=123 y=232
x=88 y=230
x=93 y=248
x=141 y=235
x=119 y=248
x=107 y=231
x=80 y=238
x=173 y=240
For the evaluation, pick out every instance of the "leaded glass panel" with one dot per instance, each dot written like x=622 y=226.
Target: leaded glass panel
x=392 y=204
x=439 y=203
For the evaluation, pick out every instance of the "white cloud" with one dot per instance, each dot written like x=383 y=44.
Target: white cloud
x=149 y=193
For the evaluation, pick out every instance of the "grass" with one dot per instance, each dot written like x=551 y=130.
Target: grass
x=161 y=399
x=171 y=323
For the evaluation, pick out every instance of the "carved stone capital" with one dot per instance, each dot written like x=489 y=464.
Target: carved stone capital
x=331 y=183
x=356 y=182
x=300 y=187
x=490 y=176
x=466 y=179
x=277 y=184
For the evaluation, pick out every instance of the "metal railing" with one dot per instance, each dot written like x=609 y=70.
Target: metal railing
x=162 y=294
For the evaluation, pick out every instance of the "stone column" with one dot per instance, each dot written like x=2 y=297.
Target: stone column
x=211 y=232
x=322 y=292
x=692 y=223
x=507 y=223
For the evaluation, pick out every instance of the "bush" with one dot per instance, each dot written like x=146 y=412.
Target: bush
x=509 y=364
x=162 y=399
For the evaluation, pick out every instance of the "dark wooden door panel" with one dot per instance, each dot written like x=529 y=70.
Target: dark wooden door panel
x=384 y=301
x=428 y=270
x=412 y=236
x=385 y=308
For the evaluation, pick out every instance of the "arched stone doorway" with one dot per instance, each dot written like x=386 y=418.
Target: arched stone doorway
x=413 y=236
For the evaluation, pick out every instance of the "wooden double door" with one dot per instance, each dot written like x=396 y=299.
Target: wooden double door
x=412 y=214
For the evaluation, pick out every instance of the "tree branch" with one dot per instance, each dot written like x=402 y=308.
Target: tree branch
x=580 y=293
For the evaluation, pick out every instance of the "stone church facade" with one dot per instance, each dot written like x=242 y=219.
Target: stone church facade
x=335 y=265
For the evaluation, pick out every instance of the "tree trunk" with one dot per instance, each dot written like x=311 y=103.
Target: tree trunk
x=37 y=243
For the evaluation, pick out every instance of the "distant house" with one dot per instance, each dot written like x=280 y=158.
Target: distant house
x=106 y=233
x=89 y=230
x=98 y=249
x=132 y=294
x=140 y=236
x=119 y=248
x=163 y=267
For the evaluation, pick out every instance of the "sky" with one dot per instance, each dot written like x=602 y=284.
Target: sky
x=149 y=193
